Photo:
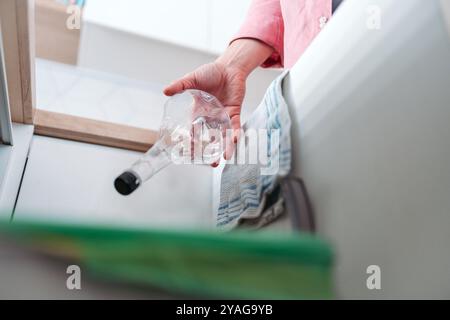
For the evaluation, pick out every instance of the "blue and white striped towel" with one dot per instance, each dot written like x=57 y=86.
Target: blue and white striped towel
x=244 y=187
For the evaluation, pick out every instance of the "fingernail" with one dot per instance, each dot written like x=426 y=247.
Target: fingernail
x=215 y=165
x=235 y=140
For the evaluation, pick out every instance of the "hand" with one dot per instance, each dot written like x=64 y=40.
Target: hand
x=226 y=83
x=225 y=79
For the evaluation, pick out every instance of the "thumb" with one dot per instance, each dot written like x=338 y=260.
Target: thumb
x=187 y=82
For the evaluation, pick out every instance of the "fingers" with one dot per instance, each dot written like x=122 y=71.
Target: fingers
x=232 y=139
x=173 y=88
x=231 y=142
x=187 y=82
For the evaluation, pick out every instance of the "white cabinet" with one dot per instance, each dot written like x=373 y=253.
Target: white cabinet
x=12 y=163
x=72 y=182
x=370 y=127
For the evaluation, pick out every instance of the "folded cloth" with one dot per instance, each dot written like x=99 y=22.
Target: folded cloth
x=245 y=187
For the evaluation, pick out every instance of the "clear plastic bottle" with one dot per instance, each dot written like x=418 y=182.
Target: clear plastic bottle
x=193 y=130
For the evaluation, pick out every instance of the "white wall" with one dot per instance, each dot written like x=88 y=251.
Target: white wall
x=206 y=25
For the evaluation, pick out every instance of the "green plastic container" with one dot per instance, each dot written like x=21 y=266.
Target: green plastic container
x=253 y=265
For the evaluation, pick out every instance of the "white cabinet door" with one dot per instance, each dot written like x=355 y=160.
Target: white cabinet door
x=12 y=164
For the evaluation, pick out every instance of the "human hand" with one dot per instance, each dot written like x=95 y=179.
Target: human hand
x=226 y=80
x=226 y=83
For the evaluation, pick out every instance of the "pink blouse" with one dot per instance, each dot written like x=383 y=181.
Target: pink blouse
x=289 y=26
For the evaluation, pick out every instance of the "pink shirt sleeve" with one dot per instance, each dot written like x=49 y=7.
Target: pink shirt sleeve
x=264 y=22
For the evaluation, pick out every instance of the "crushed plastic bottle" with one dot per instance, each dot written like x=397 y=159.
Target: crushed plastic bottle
x=194 y=129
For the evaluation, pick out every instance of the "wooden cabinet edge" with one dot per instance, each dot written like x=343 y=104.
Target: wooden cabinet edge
x=104 y=133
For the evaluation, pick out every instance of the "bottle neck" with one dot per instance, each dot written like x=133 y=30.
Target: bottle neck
x=156 y=159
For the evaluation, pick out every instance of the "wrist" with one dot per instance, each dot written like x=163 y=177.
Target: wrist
x=245 y=55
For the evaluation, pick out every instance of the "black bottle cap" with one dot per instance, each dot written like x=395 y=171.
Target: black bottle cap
x=126 y=183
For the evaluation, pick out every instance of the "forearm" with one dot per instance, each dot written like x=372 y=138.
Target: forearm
x=245 y=55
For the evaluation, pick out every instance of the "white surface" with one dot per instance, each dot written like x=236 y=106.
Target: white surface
x=445 y=4
x=73 y=182
x=12 y=163
x=98 y=95
x=226 y=18
x=371 y=138
x=175 y=21
x=199 y=24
